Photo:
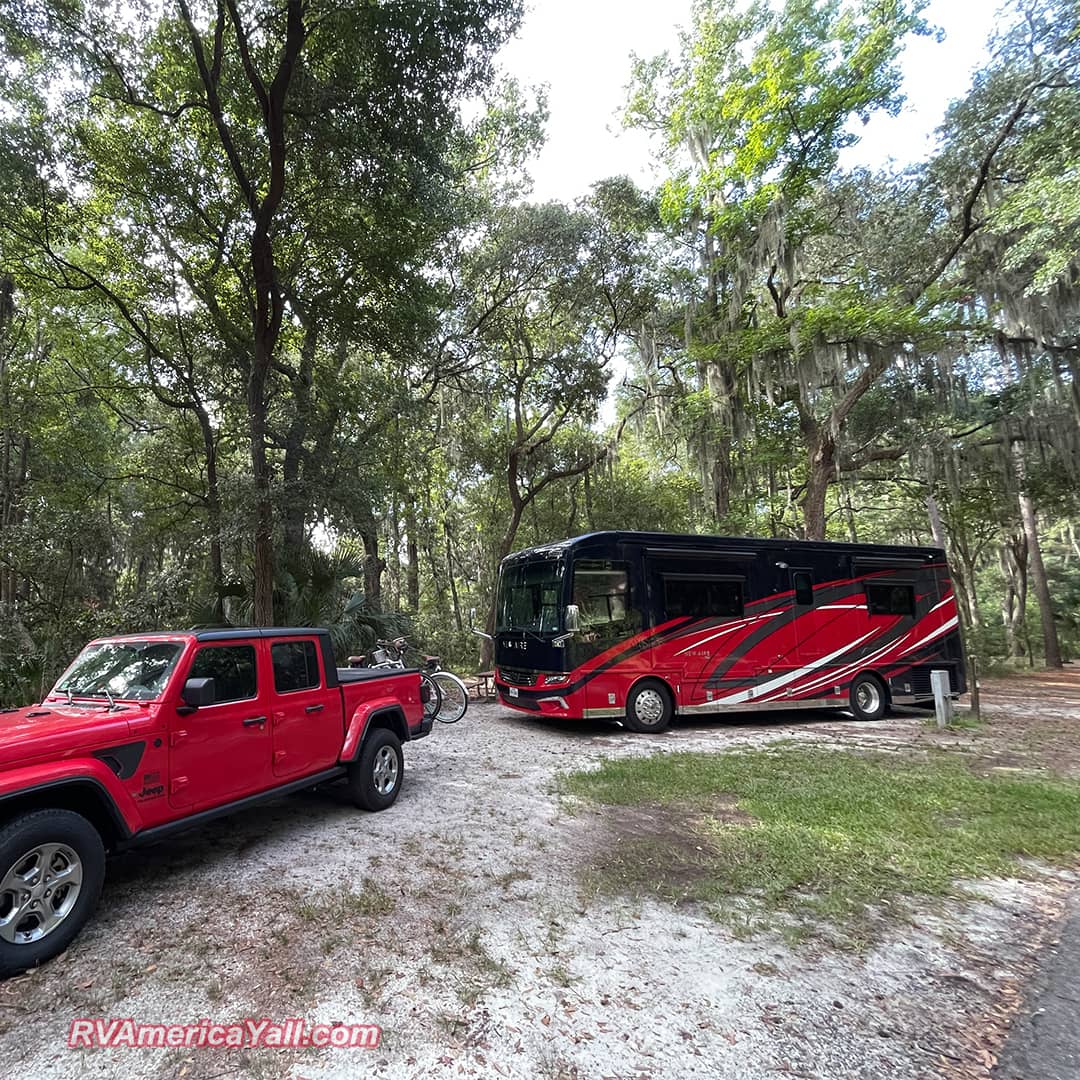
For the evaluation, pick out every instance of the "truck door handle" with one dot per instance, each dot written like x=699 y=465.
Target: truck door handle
x=251 y=721
x=315 y=708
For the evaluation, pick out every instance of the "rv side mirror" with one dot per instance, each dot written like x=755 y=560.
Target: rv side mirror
x=573 y=618
x=472 y=626
x=199 y=692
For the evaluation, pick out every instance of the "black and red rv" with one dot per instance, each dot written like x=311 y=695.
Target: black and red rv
x=641 y=626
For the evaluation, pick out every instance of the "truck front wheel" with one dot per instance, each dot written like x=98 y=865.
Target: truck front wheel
x=52 y=865
x=375 y=777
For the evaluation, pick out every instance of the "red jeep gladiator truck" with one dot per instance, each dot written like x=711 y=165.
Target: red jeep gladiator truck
x=149 y=734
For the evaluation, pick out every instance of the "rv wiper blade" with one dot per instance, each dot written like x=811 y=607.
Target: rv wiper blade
x=532 y=633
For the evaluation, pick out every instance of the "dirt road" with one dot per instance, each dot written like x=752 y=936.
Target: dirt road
x=458 y=922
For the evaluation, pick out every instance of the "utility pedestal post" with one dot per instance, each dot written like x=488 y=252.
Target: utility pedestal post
x=943 y=707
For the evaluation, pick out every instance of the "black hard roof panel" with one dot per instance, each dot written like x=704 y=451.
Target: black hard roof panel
x=219 y=633
x=225 y=632
x=704 y=540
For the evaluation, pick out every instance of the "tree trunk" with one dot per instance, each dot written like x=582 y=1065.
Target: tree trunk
x=963 y=567
x=937 y=527
x=721 y=479
x=1051 y=648
x=213 y=511
x=821 y=467
x=1014 y=565
x=263 y=590
x=295 y=465
x=590 y=520
x=506 y=545
x=412 y=567
x=268 y=306
x=373 y=567
x=453 y=583
x=293 y=504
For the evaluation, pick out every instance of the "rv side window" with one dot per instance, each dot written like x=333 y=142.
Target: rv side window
x=601 y=592
x=702 y=597
x=804 y=588
x=890 y=599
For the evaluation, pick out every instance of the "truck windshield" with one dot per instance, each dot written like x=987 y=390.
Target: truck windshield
x=131 y=670
x=529 y=597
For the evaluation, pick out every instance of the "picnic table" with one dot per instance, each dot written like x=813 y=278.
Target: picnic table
x=483 y=685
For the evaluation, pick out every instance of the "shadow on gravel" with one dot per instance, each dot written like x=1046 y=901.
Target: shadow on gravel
x=797 y=719
x=238 y=835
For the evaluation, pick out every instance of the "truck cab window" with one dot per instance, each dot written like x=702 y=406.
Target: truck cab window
x=296 y=666
x=232 y=667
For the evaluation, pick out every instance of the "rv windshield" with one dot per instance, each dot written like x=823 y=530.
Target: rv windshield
x=529 y=597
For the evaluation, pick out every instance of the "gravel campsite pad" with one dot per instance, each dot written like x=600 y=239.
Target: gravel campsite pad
x=461 y=921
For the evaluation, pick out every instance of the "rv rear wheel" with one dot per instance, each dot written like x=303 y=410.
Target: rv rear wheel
x=649 y=707
x=867 y=698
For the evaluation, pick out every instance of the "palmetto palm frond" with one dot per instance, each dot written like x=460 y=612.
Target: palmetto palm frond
x=320 y=590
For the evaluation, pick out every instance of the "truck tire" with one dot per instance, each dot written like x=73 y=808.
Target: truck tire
x=52 y=865
x=375 y=777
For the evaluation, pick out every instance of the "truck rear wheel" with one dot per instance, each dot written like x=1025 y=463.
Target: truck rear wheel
x=375 y=777
x=52 y=865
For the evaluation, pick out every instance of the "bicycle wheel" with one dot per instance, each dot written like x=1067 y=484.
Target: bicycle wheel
x=455 y=697
x=434 y=701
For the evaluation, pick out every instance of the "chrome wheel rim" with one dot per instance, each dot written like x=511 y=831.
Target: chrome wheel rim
x=867 y=697
x=38 y=892
x=385 y=771
x=649 y=706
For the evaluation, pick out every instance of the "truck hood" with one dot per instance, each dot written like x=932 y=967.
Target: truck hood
x=58 y=729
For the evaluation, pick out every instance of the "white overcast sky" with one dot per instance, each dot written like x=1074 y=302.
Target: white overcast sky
x=581 y=50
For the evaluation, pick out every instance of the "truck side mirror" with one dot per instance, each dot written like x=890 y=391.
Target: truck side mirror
x=573 y=618
x=199 y=692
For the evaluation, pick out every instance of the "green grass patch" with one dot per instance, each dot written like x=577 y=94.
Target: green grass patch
x=823 y=835
x=964 y=721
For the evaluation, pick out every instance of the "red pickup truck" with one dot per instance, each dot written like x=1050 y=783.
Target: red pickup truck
x=145 y=735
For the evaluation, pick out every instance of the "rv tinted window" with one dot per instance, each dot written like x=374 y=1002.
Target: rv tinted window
x=702 y=597
x=529 y=596
x=601 y=592
x=804 y=588
x=890 y=599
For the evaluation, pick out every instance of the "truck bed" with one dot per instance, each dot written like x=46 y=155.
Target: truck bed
x=360 y=674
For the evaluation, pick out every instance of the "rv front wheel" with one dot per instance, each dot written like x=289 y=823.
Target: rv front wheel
x=649 y=707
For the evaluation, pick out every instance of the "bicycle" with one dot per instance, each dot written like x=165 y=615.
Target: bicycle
x=449 y=695
x=380 y=657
